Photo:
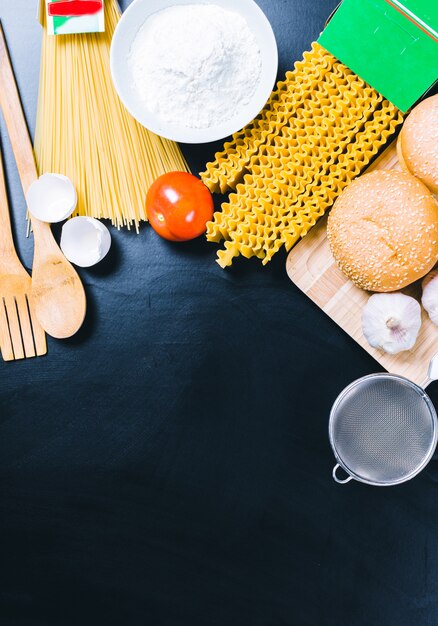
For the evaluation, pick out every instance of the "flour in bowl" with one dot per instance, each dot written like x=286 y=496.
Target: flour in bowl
x=195 y=65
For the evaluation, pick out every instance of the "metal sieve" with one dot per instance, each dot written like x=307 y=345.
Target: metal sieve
x=383 y=430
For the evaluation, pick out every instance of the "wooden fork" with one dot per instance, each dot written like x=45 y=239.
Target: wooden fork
x=57 y=292
x=21 y=335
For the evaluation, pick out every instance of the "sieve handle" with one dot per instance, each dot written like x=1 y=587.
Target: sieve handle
x=340 y=481
x=432 y=373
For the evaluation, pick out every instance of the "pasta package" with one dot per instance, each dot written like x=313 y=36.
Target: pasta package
x=321 y=128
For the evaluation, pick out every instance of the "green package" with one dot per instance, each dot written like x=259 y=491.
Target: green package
x=390 y=44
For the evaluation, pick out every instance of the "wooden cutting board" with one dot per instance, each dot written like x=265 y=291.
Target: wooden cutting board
x=311 y=267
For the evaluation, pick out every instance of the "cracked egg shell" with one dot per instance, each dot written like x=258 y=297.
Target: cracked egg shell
x=52 y=198
x=85 y=241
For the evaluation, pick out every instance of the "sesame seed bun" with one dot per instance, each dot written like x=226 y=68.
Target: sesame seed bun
x=417 y=144
x=383 y=231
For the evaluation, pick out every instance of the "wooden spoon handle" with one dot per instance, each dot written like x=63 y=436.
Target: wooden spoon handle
x=5 y=221
x=10 y=104
x=7 y=247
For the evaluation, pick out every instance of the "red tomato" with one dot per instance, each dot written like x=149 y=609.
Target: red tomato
x=179 y=206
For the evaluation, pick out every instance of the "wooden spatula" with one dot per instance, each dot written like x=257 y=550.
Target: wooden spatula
x=57 y=291
x=21 y=335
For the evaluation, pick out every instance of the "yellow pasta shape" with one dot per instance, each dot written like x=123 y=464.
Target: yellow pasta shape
x=296 y=150
x=290 y=94
x=288 y=167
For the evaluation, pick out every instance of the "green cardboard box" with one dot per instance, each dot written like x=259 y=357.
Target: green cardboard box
x=390 y=44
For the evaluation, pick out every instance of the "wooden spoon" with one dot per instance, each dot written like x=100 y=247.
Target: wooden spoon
x=57 y=291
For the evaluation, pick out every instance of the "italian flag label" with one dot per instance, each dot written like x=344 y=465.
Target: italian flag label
x=70 y=17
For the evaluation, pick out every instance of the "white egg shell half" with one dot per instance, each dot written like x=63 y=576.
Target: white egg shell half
x=52 y=198
x=85 y=241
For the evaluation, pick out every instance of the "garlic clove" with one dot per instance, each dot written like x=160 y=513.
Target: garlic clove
x=430 y=295
x=391 y=322
x=85 y=241
x=51 y=198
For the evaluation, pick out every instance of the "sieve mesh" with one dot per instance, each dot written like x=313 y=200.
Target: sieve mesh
x=382 y=429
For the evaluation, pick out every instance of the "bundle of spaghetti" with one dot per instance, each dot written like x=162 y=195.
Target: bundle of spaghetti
x=300 y=169
x=290 y=95
x=84 y=132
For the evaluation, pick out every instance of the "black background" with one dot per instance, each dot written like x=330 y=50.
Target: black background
x=170 y=466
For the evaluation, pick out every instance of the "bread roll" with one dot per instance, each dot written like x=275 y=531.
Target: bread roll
x=417 y=145
x=383 y=231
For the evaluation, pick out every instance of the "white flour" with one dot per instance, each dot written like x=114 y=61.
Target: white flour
x=195 y=65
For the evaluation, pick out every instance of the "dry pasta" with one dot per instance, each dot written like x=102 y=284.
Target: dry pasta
x=294 y=160
x=84 y=132
x=289 y=95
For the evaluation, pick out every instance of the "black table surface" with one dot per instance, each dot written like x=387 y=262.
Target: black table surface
x=170 y=465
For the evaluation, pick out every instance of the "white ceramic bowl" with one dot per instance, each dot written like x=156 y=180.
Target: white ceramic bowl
x=126 y=31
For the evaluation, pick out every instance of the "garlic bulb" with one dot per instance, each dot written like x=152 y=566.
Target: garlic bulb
x=430 y=295
x=391 y=321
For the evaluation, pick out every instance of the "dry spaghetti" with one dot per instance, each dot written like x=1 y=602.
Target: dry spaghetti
x=84 y=132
